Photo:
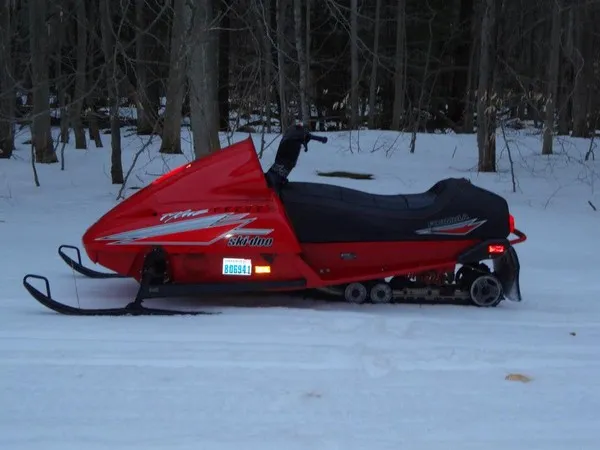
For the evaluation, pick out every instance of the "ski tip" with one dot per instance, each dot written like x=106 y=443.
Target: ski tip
x=132 y=309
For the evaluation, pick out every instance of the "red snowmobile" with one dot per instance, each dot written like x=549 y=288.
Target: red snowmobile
x=221 y=225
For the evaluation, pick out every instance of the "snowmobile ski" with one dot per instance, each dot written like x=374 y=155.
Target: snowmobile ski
x=134 y=308
x=78 y=266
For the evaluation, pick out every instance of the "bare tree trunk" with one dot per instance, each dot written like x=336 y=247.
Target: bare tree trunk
x=263 y=14
x=80 y=76
x=39 y=48
x=301 y=61
x=462 y=56
x=564 y=88
x=144 y=121
x=354 y=111
x=58 y=26
x=147 y=115
x=171 y=132
x=92 y=73
x=7 y=85
x=564 y=117
x=374 y=64
x=566 y=67
x=486 y=108
x=223 y=81
x=471 y=89
x=202 y=80
x=94 y=126
x=108 y=45
x=553 y=72
x=583 y=73
x=309 y=88
x=400 y=66
x=281 y=16
x=417 y=122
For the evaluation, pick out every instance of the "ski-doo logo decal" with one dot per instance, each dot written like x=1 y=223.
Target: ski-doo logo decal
x=250 y=241
x=453 y=226
x=151 y=235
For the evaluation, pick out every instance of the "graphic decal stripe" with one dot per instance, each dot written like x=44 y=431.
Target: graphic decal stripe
x=456 y=229
x=140 y=236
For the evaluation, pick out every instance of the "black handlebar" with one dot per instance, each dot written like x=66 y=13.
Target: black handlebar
x=287 y=154
x=301 y=135
x=322 y=139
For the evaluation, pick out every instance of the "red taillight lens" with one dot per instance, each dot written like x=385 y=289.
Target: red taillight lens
x=511 y=223
x=496 y=249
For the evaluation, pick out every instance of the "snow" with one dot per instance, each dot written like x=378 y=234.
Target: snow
x=282 y=373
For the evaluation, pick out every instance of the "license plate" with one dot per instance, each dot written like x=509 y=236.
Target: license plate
x=239 y=267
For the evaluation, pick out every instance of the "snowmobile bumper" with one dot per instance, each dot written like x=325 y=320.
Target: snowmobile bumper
x=507 y=269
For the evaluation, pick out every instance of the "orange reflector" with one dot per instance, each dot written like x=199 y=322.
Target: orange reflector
x=262 y=269
x=495 y=249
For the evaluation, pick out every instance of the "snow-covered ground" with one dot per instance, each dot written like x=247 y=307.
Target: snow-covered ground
x=290 y=374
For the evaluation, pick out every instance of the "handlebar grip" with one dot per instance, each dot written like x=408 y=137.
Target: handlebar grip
x=322 y=139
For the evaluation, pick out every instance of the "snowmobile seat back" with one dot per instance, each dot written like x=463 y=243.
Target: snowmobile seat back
x=323 y=213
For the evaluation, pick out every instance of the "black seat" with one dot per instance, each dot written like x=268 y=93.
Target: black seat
x=321 y=213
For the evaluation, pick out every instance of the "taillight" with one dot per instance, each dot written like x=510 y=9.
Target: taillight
x=496 y=249
x=511 y=223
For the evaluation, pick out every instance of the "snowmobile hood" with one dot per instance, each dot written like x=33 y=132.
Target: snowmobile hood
x=232 y=174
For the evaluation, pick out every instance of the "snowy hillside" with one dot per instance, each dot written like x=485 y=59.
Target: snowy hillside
x=287 y=374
